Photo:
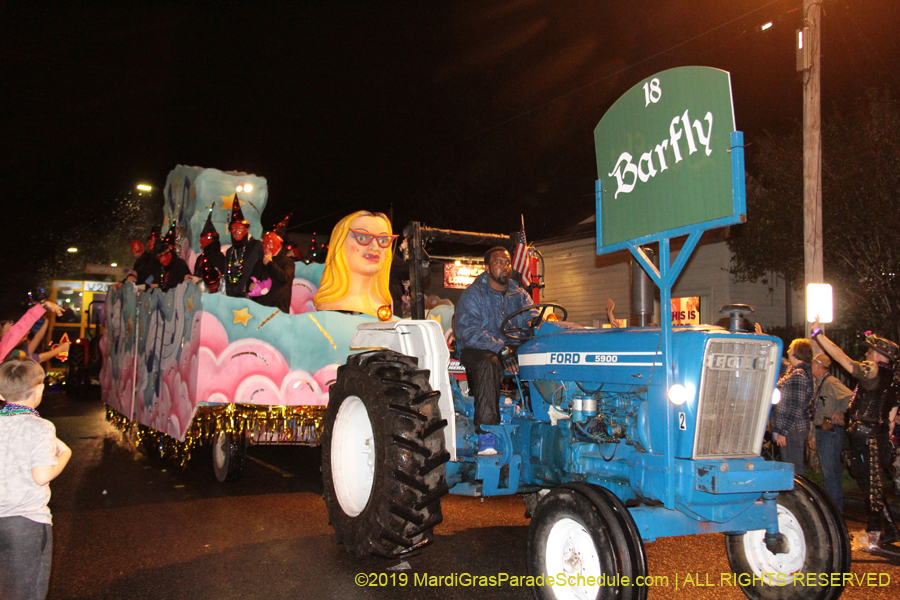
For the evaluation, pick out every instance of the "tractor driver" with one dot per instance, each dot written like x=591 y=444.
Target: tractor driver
x=485 y=351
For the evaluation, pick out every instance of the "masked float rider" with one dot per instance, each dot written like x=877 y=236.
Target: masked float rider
x=175 y=269
x=276 y=266
x=211 y=249
x=210 y=277
x=146 y=270
x=242 y=256
x=874 y=401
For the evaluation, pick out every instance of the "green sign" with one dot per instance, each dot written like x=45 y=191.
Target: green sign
x=663 y=156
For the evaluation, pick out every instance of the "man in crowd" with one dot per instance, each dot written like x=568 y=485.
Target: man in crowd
x=790 y=417
x=830 y=399
x=875 y=398
x=485 y=351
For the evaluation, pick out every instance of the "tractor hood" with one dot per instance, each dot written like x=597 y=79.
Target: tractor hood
x=626 y=356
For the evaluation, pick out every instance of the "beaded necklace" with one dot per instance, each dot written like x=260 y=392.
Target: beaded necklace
x=235 y=263
x=12 y=409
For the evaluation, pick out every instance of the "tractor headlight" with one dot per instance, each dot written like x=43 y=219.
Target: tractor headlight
x=776 y=396
x=678 y=395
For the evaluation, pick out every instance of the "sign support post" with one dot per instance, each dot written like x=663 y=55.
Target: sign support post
x=659 y=206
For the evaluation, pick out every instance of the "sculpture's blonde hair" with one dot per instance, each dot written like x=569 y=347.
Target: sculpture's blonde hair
x=335 y=283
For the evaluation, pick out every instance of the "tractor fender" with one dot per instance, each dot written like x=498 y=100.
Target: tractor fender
x=423 y=340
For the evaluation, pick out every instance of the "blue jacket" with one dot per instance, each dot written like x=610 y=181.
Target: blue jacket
x=481 y=310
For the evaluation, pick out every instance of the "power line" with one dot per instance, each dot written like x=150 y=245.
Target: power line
x=602 y=79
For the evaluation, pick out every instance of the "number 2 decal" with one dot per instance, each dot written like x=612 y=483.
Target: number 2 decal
x=682 y=421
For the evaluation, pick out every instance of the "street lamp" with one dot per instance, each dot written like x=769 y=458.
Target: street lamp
x=72 y=250
x=144 y=187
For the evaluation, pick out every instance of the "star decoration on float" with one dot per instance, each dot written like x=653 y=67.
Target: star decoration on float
x=242 y=316
x=228 y=201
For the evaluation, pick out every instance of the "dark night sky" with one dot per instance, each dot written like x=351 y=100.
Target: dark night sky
x=460 y=114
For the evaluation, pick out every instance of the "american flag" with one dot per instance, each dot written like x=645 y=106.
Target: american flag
x=521 y=260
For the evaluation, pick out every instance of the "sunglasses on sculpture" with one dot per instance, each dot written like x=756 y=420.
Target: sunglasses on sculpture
x=364 y=238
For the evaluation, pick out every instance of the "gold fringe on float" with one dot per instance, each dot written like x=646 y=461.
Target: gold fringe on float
x=300 y=425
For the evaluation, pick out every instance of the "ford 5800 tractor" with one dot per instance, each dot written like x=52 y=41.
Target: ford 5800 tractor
x=613 y=437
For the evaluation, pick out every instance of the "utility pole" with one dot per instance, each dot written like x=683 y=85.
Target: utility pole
x=809 y=38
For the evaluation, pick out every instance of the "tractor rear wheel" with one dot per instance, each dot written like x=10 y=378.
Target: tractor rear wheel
x=383 y=455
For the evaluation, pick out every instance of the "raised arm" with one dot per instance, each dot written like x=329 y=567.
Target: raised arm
x=22 y=326
x=830 y=348
x=611 y=313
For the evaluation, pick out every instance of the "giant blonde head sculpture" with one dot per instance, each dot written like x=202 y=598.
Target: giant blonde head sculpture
x=358 y=266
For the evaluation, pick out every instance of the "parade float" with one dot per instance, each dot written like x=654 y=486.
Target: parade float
x=185 y=367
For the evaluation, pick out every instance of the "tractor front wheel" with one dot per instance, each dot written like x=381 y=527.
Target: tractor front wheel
x=817 y=543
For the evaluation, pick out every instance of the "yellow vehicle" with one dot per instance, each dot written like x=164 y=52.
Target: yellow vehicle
x=81 y=324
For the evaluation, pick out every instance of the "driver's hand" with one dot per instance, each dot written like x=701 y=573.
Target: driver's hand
x=508 y=359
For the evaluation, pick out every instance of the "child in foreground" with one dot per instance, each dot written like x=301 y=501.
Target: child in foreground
x=30 y=457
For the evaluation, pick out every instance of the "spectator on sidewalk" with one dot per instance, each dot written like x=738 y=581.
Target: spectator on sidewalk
x=11 y=333
x=28 y=346
x=830 y=400
x=789 y=420
x=874 y=398
x=30 y=457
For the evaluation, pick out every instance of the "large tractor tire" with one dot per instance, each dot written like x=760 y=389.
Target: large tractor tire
x=578 y=532
x=817 y=544
x=383 y=455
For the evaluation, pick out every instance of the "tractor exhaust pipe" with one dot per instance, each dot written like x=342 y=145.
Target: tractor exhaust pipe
x=643 y=291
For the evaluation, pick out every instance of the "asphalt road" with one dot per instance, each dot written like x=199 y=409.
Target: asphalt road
x=125 y=528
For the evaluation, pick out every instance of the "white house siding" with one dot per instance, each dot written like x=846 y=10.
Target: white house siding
x=769 y=304
x=706 y=275
x=582 y=281
x=578 y=279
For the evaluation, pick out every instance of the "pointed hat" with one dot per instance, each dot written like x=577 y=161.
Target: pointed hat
x=281 y=227
x=236 y=213
x=208 y=227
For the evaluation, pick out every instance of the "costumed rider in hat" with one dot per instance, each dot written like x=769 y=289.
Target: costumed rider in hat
x=211 y=256
x=208 y=277
x=175 y=269
x=146 y=269
x=242 y=256
x=874 y=403
x=273 y=276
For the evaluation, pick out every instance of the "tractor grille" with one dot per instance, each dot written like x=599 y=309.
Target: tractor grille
x=735 y=393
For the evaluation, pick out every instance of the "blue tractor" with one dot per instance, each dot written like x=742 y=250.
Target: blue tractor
x=608 y=451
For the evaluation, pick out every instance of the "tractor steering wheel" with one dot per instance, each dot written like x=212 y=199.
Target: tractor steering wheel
x=521 y=335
